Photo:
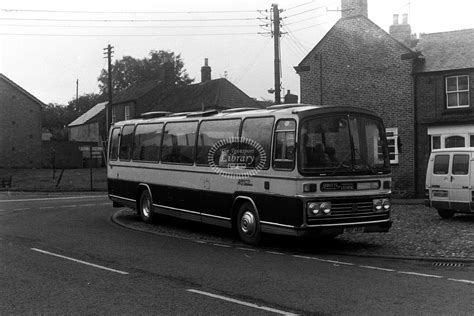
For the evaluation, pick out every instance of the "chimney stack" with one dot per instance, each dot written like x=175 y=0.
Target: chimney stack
x=354 y=7
x=205 y=71
x=401 y=32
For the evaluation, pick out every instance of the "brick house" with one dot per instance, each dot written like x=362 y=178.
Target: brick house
x=359 y=64
x=420 y=86
x=443 y=73
x=20 y=126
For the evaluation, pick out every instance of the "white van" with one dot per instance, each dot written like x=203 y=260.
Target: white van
x=450 y=181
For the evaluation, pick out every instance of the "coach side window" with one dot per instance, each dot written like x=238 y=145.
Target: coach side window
x=217 y=137
x=147 y=142
x=284 y=150
x=259 y=131
x=114 y=143
x=179 y=142
x=126 y=141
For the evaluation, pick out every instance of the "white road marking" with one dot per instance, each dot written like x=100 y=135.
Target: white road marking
x=377 y=268
x=333 y=261
x=68 y=206
x=232 y=300
x=79 y=261
x=275 y=253
x=221 y=245
x=46 y=207
x=245 y=249
x=58 y=198
x=301 y=257
x=22 y=209
x=463 y=281
x=421 y=274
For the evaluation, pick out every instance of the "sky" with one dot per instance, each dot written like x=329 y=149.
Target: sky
x=46 y=46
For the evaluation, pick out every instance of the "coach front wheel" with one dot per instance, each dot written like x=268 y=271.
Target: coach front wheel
x=145 y=207
x=248 y=225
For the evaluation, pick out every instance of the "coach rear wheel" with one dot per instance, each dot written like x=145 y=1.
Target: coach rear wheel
x=248 y=225
x=145 y=207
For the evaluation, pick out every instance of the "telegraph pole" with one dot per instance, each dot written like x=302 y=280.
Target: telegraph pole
x=77 y=91
x=108 y=52
x=276 y=40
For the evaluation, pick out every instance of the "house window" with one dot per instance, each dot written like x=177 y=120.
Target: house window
x=435 y=142
x=454 y=141
x=128 y=112
x=457 y=92
x=471 y=141
x=392 y=139
x=114 y=114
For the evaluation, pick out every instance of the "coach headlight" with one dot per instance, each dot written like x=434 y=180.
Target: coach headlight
x=378 y=205
x=318 y=208
x=381 y=205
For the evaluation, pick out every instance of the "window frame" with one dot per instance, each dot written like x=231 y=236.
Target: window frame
x=131 y=143
x=159 y=145
x=127 y=112
x=395 y=137
x=447 y=164
x=193 y=146
x=274 y=152
x=119 y=129
x=457 y=92
x=199 y=132
x=454 y=166
x=267 y=165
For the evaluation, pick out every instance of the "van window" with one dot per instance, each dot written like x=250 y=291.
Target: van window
x=211 y=132
x=147 y=142
x=259 y=130
x=179 y=142
x=114 y=143
x=126 y=141
x=441 y=164
x=460 y=164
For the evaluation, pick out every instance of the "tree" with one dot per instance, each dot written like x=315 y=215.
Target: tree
x=129 y=71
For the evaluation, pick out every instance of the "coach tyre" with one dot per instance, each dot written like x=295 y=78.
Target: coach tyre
x=248 y=225
x=145 y=207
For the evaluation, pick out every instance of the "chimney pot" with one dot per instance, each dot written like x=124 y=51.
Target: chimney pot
x=405 y=18
x=395 y=19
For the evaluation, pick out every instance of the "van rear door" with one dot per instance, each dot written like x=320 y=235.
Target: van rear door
x=440 y=178
x=460 y=193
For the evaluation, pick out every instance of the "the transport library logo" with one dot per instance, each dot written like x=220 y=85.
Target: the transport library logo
x=237 y=157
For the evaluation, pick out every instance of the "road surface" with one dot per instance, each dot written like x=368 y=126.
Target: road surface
x=63 y=254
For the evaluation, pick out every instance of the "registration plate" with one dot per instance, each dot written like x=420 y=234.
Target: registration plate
x=352 y=230
x=440 y=193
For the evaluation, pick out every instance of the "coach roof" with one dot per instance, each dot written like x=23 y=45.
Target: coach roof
x=302 y=110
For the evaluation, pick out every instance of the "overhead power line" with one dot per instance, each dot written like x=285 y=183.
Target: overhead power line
x=126 y=35
x=127 y=20
x=129 y=26
x=127 y=12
